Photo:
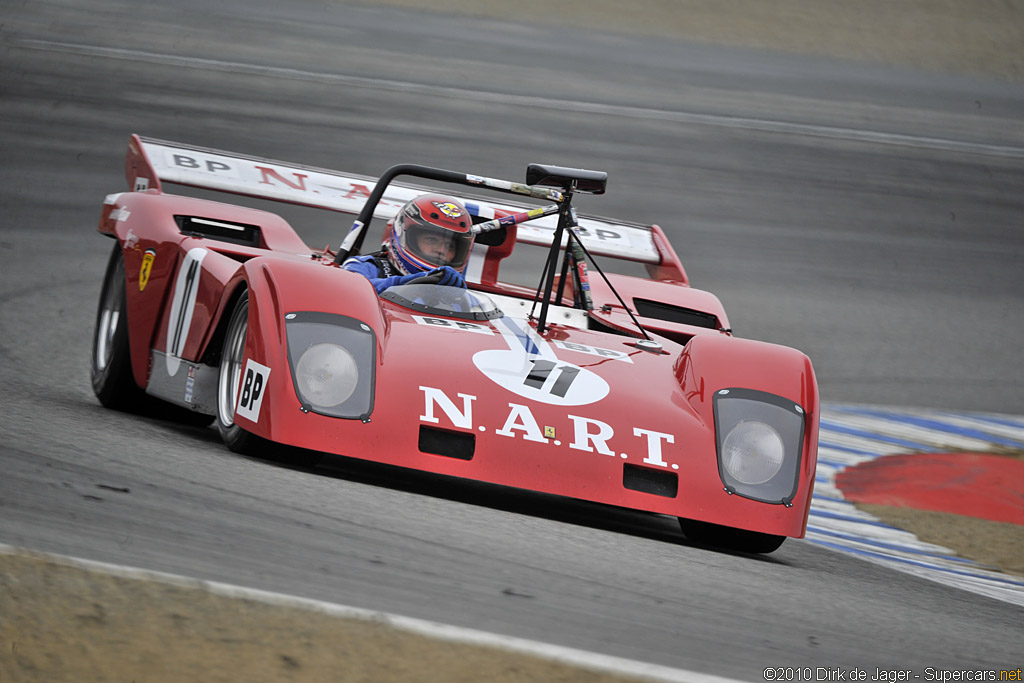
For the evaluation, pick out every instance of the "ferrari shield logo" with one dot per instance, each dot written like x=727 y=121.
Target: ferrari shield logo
x=147 y=266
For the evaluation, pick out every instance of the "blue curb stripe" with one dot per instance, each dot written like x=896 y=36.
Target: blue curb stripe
x=833 y=463
x=830 y=499
x=845 y=449
x=890 y=545
x=1002 y=421
x=939 y=427
x=917 y=563
x=885 y=438
x=848 y=518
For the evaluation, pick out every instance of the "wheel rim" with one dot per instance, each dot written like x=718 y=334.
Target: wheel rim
x=109 y=316
x=231 y=364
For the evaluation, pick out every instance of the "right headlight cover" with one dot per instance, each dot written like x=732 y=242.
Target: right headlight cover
x=760 y=440
x=332 y=359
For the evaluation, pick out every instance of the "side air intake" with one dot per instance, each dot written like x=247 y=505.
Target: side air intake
x=647 y=480
x=458 y=445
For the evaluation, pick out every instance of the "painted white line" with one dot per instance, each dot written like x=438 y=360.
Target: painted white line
x=879 y=431
x=719 y=121
x=590 y=661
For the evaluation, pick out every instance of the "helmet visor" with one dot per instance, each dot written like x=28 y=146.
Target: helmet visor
x=437 y=246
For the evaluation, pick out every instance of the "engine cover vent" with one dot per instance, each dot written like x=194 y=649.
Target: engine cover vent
x=675 y=314
x=223 y=231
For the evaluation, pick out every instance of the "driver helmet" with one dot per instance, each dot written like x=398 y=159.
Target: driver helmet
x=430 y=231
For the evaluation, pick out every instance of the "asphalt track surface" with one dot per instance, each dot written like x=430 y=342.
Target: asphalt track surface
x=869 y=217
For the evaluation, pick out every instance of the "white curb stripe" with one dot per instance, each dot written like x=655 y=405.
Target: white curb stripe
x=892 y=426
x=991 y=430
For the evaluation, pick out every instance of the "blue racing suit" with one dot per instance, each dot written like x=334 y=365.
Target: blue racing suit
x=381 y=274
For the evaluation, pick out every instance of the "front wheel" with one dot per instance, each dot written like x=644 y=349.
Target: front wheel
x=229 y=383
x=230 y=379
x=729 y=538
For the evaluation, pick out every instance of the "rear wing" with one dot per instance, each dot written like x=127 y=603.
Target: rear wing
x=151 y=162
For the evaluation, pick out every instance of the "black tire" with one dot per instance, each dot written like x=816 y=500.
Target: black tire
x=228 y=383
x=112 y=379
x=729 y=538
x=229 y=380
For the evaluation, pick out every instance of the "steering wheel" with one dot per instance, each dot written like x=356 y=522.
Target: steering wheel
x=431 y=278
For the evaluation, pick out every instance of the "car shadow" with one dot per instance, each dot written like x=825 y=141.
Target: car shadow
x=610 y=518
x=604 y=517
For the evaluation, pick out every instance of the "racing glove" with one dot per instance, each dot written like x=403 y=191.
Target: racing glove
x=449 y=277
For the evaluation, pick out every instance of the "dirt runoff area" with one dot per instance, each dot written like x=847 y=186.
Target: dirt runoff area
x=994 y=544
x=64 y=623
x=982 y=37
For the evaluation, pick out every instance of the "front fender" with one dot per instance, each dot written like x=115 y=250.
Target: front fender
x=711 y=363
x=276 y=288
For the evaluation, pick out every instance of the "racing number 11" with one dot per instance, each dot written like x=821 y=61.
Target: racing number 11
x=542 y=369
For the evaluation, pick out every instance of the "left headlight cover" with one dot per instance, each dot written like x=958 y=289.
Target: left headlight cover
x=760 y=439
x=332 y=360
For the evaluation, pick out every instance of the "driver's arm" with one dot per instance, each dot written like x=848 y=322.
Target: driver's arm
x=368 y=269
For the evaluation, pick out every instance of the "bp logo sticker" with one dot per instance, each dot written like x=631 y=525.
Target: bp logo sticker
x=250 y=393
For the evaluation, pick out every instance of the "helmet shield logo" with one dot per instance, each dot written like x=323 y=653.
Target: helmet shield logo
x=449 y=209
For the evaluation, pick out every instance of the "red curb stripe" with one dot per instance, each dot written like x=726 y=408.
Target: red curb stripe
x=970 y=484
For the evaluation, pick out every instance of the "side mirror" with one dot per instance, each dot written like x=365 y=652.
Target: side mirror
x=576 y=179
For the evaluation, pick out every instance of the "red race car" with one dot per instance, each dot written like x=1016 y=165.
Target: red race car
x=621 y=389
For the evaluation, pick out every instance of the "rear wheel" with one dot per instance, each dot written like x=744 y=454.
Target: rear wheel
x=729 y=538
x=112 y=378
